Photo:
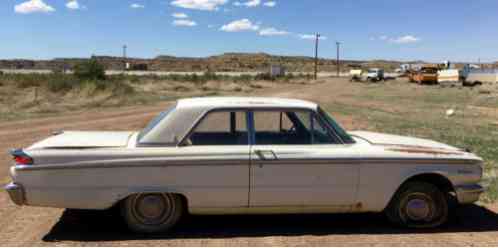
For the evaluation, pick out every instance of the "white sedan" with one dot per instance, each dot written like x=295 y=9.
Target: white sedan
x=233 y=155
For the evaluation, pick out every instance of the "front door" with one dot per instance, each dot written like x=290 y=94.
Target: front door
x=295 y=162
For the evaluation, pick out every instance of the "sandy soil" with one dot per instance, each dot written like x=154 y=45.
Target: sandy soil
x=30 y=226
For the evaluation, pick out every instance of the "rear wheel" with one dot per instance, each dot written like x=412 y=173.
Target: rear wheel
x=152 y=212
x=418 y=205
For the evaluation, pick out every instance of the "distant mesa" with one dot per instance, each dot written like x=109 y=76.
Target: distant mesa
x=236 y=62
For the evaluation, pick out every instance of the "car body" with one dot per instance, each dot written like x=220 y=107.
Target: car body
x=238 y=155
x=426 y=75
x=375 y=74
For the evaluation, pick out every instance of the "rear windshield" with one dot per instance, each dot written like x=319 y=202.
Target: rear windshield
x=156 y=121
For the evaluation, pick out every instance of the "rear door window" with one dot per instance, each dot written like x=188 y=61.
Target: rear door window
x=220 y=128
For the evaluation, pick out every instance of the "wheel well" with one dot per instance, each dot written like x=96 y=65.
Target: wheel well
x=183 y=197
x=441 y=182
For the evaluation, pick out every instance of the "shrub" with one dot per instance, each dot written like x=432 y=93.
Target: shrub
x=264 y=76
x=28 y=80
x=62 y=83
x=90 y=70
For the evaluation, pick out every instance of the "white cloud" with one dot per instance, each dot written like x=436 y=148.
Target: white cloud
x=405 y=39
x=272 y=32
x=209 y=5
x=73 y=4
x=383 y=37
x=137 y=6
x=270 y=4
x=252 y=3
x=249 y=4
x=311 y=37
x=33 y=6
x=240 y=25
x=184 y=23
x=180 y=15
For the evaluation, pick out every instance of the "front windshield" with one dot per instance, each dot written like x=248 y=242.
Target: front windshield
x=155 y=121
x=337 y=128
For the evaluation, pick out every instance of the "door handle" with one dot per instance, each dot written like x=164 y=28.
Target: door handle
x=266 y=155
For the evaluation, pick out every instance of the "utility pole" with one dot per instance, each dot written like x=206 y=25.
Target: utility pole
x=338 y=65
x=124 y=57
x=316 y=55
x=124 y=51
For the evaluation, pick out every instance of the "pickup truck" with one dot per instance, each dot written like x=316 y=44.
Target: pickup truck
x=426 y=75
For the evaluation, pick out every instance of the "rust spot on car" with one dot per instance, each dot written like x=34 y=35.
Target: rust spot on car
x=425 y=151
x=358 y=206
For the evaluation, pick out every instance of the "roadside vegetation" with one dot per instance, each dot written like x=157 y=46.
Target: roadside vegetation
x=29 y=95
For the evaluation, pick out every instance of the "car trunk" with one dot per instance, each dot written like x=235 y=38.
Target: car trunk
x=75 y=140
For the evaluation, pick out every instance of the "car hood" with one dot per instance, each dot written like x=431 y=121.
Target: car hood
x=401 y=141
x=76 y=139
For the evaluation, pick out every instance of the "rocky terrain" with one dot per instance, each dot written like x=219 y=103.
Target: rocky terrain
x=228 y=62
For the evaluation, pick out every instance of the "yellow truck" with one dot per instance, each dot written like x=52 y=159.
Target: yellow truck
x=426 y=75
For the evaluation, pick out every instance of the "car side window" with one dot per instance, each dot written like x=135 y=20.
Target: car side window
x=322 y=135
x=220 y=128
x=290 y=128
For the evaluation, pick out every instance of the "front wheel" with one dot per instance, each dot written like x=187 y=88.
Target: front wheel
x=418 y=205
x=152 y=212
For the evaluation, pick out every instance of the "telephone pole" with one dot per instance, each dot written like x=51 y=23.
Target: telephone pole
x=338 y=44
x=316 y=55
x=124 y=57
x=124 y=51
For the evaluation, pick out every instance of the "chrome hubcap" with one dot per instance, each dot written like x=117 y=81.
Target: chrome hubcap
x=151 y=209
x=417 y=209
x=151 y=206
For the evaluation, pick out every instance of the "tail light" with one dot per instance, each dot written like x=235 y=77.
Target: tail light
x=21 y=158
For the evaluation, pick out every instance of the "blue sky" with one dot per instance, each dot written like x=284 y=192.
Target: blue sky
x=434 y=30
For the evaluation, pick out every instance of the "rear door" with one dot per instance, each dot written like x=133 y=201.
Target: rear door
x=294 y=163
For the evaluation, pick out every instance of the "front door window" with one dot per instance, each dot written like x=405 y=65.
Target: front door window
x=290 y=128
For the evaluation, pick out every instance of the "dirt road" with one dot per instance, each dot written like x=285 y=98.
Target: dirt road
x=475 y=225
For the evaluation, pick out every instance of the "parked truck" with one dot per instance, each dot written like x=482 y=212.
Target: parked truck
x=375 y=75
x=426 y=75
x=474 y=75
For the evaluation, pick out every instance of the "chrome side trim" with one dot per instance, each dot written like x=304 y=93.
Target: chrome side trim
x=164 y=162
x=16 y=193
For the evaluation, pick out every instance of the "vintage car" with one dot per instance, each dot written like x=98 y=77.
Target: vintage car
x=239 y=155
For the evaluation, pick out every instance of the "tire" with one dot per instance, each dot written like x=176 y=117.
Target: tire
x=152 y=212
x=418 y=205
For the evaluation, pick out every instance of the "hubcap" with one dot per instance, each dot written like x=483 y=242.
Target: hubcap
x=151 y=206
x=151 y=209
x=418 y=209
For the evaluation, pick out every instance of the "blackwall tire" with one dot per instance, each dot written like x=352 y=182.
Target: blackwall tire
x=418 y=205
x=152 y=212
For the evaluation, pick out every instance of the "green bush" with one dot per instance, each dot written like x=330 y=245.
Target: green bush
x=265 y=77
x=61 y=82
x=90 y=70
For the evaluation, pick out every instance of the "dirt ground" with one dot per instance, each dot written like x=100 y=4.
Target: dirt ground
x=475 y=225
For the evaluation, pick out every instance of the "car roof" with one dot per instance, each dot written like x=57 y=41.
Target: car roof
x=244 y=102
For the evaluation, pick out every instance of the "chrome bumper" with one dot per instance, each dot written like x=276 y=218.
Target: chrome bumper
x=467 y=194
x=16 y=193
